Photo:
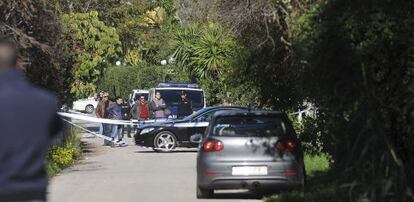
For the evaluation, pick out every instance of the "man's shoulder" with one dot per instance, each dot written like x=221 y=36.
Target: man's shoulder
x=40 y=94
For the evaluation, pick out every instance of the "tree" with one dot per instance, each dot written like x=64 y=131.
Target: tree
x=94 y=44
x=362 y=82
x=121 y=80
x=206 y=53
x=36 y=29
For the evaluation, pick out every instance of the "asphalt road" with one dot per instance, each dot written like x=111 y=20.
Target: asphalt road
x=131 y=174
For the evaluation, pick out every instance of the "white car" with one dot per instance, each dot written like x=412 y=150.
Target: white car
x=87 y=105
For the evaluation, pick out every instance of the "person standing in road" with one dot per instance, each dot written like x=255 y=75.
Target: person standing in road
x=115 y=112
x=158 y=106
x=140 y=110
x=126 y=115
x=26 y=131
x=185 y=106
x=101 y=112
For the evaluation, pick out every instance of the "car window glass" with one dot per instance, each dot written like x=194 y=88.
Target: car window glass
x=252 y=126
x=206 y=117
x=173 y=97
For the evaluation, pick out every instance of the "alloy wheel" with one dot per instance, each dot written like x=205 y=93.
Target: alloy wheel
x=165 y=142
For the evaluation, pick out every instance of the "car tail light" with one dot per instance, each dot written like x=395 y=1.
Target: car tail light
x=285 y=146
x=213 y=145
x=289 y=173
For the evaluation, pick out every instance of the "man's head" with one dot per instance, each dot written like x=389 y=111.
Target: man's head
x=158 y=95
x=183 y=95
x=8 y=53
x=142 y=99
x=105 y=97
x=119 y=100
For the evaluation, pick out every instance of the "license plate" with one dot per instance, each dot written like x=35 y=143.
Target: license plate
x=249 y=170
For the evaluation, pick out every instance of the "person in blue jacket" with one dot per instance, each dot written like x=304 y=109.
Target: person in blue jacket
x=28 y=121
x=115 y=113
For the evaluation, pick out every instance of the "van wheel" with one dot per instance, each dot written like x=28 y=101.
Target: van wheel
x=165 y=142
x=204 y=193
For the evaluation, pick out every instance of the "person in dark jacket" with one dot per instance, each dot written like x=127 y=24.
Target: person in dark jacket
x=26 y=131
x=101 y=112
x=115 y=112
x=185 y=106
x=126 y=116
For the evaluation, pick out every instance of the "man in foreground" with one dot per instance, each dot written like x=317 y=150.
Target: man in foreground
x=26 y=129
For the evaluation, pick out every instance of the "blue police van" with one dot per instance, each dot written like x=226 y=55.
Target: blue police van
x=171 y=92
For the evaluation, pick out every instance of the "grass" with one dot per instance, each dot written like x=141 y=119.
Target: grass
x=316 y=164
x=319 y=187
x=65 y=155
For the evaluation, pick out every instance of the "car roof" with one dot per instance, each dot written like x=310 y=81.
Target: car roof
x=140 y=91
x=249 y=113
x=227 y=107
x=175 y=88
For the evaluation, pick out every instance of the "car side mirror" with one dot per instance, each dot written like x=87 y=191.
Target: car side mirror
x=197 y=138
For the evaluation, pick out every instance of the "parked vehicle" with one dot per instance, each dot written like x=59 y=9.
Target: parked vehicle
x=171 y=94
x=166 y=136
x=256 y=150
x=136 y=93
x=87 y=105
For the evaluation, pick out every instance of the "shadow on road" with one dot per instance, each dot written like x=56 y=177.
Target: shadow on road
x=175 y=151
x=238 y=195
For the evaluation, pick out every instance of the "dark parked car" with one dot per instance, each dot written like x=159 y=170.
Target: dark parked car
x=256 y=150
x=166 y=136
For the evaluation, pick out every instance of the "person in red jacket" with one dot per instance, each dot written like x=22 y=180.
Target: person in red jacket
x=140 y=110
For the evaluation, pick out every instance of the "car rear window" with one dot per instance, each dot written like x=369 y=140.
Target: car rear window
x=249 y=126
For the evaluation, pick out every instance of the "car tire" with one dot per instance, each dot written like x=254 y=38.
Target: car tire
x=89 y=109
x=165 y=141
x=204 y=193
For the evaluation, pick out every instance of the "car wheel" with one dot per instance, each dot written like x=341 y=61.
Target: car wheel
x=89 y=109
x=204 y=193
x=165 y=142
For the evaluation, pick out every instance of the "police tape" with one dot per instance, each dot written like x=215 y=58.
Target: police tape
x=78 y=116
x=89 y=131
x=83 y=117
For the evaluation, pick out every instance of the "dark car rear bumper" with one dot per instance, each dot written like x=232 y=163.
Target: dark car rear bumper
x=263 y=183
x=281 y=175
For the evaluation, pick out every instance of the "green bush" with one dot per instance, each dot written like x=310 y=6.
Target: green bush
x=316 y=190
x=316 y=163
x=65 y=155
x=121 y=80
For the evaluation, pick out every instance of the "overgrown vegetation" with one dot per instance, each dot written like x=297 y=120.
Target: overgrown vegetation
x=65 y=155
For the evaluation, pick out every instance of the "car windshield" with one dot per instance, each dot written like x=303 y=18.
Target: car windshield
x=173 y=97
x=249 y=126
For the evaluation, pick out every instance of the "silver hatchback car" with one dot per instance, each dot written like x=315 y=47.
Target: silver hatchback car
x=256 y=150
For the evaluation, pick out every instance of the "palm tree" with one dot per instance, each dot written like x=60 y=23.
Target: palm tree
x=214 y=52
